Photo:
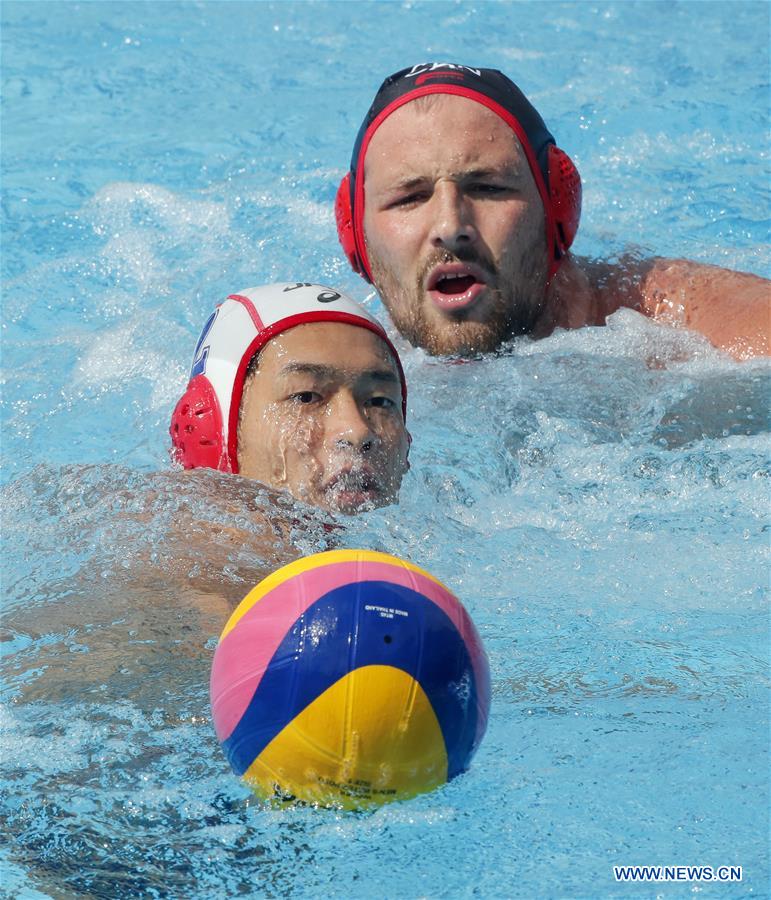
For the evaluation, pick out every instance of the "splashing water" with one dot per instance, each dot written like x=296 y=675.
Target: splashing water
x=598 y=500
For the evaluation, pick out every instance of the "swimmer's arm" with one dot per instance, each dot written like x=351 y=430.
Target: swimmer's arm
x=731 y=309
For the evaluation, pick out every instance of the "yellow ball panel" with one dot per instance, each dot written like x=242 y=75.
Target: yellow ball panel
x=371 y=737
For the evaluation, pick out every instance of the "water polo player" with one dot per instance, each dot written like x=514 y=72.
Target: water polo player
x=461 y=209
x=297 y=386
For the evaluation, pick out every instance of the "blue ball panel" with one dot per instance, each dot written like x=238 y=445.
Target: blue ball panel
x=338 y=634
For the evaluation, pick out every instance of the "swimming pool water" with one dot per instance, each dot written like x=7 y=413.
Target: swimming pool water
x=598 y=500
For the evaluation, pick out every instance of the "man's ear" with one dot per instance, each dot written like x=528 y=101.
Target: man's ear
x=407 y=456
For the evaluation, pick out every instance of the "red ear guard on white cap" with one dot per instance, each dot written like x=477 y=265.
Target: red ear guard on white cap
x=204 y=424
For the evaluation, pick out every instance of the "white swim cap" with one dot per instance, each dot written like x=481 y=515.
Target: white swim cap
x=204 y=424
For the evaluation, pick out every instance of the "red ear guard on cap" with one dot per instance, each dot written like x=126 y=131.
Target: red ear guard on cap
x=565 y=195
x=344 y=219
x=196 y=428
x=204 y=424
x=556 y=176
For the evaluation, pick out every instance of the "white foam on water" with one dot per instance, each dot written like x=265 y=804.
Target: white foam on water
x=120 y=205
x=121 y=354
x=597 y=499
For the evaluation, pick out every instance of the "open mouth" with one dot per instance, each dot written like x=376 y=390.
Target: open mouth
x=455 y=287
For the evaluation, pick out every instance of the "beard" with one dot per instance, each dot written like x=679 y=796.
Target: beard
x=515 y=297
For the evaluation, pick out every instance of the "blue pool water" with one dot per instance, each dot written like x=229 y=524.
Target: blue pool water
x=598 y=500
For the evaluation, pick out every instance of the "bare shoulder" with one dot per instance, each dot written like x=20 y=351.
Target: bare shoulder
x=731 y=309
x=586 y=291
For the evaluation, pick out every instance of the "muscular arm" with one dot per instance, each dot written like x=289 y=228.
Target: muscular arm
x=731 y=309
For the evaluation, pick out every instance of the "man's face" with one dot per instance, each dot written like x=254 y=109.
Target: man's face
x=454 y=226
x=322 y=418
